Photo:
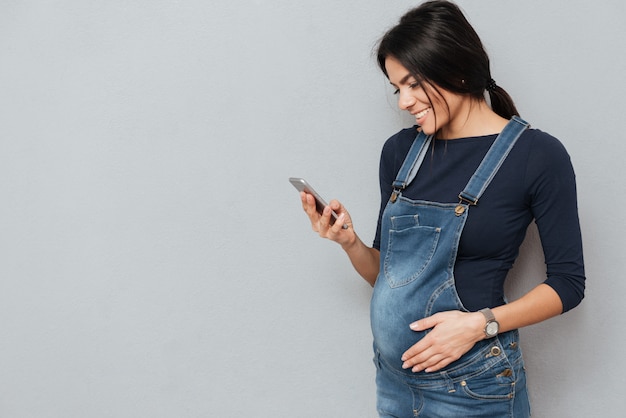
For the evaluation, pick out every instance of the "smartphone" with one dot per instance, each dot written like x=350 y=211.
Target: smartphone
x=320 y=204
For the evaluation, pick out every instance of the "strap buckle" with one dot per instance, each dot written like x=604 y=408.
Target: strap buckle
x=471 y=202
x=463 y=202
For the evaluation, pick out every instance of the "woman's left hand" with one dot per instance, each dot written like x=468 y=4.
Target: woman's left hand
x=453 y=333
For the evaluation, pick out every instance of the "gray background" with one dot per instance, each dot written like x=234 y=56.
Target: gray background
x=154 y=259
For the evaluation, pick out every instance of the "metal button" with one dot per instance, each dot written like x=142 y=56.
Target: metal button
x=495 y=351
x=459 y=209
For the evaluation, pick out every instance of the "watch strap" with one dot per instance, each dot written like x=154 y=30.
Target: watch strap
x=489 y=316
x=489 y=330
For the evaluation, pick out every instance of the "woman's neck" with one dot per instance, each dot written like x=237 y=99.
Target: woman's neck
x=475 y=118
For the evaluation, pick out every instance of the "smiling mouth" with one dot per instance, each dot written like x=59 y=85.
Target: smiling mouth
x=420 y=115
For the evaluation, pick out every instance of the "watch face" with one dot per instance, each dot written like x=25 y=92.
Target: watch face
x=492 y=328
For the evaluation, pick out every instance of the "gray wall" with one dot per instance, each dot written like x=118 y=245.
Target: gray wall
x=155 y=260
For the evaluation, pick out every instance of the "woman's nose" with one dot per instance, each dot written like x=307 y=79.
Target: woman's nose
x=405 y=100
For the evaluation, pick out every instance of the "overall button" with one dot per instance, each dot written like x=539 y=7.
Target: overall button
x=458 y=211
x=495 y=351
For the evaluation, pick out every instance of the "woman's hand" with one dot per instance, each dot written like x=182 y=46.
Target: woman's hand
x=453 y=333
x=344 y=236
x=366 y=260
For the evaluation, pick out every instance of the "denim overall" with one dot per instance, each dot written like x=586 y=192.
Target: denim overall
x=418 y=250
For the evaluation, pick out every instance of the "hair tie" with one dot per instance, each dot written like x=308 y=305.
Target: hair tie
x=491 y=84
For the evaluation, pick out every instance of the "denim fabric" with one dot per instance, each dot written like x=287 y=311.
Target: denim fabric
x=494 y=159
x=491 y=383
x=416 y=277
x=416 y=280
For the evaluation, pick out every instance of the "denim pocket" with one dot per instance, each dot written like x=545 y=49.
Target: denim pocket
x=410 y=249
x=497 y=383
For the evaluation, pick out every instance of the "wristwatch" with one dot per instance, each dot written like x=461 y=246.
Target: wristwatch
x=492 y=326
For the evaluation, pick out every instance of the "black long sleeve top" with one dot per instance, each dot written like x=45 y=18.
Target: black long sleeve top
x=536 y=181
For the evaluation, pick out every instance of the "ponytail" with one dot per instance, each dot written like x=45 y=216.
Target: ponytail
x=501 y=102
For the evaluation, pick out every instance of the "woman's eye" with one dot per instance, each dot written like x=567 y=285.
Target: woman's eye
x=396 y=91
x=414 y=85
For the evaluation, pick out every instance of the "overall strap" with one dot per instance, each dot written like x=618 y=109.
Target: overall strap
x=493 y=160
x=411 y=164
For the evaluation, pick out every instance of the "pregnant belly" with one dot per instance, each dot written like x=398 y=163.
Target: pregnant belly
x=390 y=328
x=392 y=310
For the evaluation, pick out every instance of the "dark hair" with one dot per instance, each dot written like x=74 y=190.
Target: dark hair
x=438 y=46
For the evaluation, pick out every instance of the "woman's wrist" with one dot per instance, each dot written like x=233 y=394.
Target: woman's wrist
x=478 y=325
x=352 y=243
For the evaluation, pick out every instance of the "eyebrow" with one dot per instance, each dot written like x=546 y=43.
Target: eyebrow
x=403 y=80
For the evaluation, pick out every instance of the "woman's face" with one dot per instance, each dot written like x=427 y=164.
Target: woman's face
x=413 y=97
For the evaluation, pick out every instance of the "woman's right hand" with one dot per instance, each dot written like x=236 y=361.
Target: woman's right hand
x=344 y=236
x=364 y=259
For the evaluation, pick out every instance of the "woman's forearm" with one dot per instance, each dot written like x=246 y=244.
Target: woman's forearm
x=539 y=304
x=366 y=260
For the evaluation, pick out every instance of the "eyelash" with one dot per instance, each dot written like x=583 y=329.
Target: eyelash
x=411 y=86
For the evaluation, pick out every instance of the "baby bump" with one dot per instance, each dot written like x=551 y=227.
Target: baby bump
x=416 y=275
x=392 y=310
